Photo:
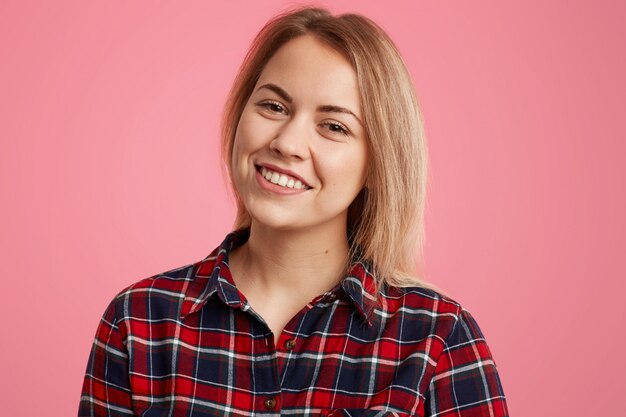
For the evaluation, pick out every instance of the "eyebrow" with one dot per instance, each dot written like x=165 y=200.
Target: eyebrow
x=282 y=93
x=324 y=109
x=337 y=109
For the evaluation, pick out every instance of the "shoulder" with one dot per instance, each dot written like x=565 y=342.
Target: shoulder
x=170 y=282
x=427 y=312
x=422 y=300
x=157 y=295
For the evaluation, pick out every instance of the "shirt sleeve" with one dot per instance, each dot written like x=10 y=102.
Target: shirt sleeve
x=465 y=382
x=106 y=388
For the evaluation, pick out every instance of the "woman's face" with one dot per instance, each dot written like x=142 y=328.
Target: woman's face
x=300 y=152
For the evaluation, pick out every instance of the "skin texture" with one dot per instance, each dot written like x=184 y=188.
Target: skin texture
x=298 y=137
x=310 y=127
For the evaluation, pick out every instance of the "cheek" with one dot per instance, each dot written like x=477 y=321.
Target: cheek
x=345 y=170
x=235 y=158
x=240 y=158
x=243 y=141
x=249 y=137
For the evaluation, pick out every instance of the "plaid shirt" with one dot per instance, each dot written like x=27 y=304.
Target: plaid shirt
x=187 y=343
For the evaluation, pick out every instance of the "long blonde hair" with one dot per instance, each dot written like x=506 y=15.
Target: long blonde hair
x=386 y=220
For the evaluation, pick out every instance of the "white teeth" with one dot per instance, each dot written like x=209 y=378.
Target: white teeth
x=282 y=179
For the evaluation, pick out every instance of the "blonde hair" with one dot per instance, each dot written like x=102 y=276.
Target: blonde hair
x=385 y=221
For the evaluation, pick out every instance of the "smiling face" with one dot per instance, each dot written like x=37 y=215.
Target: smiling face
x=300 y=152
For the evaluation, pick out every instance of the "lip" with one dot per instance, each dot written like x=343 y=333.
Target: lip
x=275 y=188
x=283 y=171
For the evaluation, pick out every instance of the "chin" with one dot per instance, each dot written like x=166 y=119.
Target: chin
x=273 y=218
x=277 y=225
x=294 y=221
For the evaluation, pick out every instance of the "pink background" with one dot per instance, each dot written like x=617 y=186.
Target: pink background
x=109 y=173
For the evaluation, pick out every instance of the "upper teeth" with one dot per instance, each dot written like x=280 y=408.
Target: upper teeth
x=282 y=179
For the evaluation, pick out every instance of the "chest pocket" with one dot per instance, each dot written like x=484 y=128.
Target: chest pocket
x=362 y=412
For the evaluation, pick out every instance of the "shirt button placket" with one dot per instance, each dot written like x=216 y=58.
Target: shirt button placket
x=270 y=403
x=266 y=378
x=290 y=344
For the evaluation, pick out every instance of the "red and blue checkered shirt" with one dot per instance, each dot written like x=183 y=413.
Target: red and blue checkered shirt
x=187 y=343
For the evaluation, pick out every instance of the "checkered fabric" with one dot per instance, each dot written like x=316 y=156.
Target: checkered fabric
x=187 y=343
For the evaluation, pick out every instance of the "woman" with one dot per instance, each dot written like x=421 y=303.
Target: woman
x=311 y=306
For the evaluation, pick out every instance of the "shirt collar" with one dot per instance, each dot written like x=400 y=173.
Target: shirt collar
x=212 y=276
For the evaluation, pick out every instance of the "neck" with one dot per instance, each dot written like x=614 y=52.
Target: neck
x=306 y=262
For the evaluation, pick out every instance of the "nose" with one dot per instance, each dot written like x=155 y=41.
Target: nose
x=292 y=140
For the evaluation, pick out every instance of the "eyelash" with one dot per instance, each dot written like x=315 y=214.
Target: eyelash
x=268 y=105
x=330 y=125
x=343 y=130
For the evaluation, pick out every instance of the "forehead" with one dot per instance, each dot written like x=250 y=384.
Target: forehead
x=308 y=68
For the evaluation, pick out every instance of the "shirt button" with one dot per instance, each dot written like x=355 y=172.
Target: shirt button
x=290 y=344
x=270 y=403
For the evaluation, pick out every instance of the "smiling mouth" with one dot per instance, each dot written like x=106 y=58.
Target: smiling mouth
x=281 y=179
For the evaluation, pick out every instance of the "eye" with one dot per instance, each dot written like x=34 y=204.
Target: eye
x=272 y=106
x=336 y=127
